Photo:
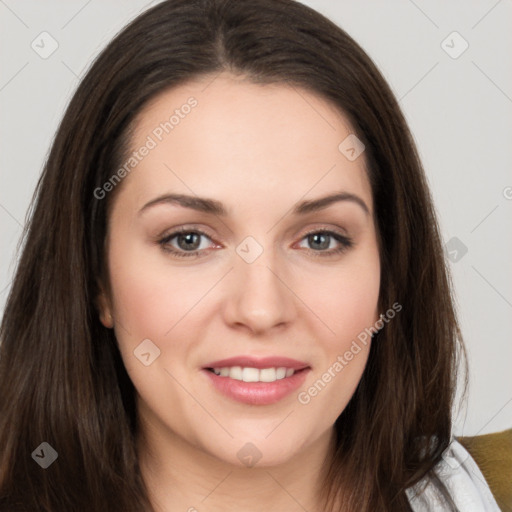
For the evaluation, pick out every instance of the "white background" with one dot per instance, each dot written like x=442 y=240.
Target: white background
x=459 y=110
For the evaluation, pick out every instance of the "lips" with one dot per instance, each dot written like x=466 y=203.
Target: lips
x=266 y=391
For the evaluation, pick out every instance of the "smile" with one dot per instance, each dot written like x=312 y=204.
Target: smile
x=254 y=374
x=256 y=391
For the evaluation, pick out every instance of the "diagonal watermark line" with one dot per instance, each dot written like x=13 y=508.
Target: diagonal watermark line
x=301 y=300
x=5 y=288
x=494 y=288
x=146 y=6
x=479 y=477
x=418 y=82
x=286 y=213
x=480 y=430
x=424 y=14
x=117 y=322
x=493 y=210
x=216 y=487
x=75 y=15
x=284 y=489
x=14 y=76
x=198 y=301
x=11 y=215
x=492 y=81
x=3 y=3
x=70 y=69
x=279 y=424
x=212 y=80
x=485 y=15
x=199 y=403
x=501 y=409
x=291 y=85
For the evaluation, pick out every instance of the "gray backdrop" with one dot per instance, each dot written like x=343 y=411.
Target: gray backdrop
x=449 y=65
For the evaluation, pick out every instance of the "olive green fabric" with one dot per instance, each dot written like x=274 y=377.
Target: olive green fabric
x=493 y=455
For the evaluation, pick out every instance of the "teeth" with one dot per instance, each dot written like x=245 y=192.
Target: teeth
x=250 y=375
x=235 y=372
x=254 y=374
x=268 y=375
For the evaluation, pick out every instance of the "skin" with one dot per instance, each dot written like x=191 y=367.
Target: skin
x=259 y=149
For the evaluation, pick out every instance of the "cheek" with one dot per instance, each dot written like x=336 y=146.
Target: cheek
x=346 y=300
x=347 y=305
x=149 y=297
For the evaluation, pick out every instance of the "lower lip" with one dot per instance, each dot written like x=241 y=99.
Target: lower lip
x=257 y=393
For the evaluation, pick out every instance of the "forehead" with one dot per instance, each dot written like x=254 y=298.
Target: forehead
x=223 y=134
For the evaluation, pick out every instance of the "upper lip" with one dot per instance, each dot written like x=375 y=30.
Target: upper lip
x=260 y=362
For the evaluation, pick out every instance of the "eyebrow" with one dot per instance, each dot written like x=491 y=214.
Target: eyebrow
x=214 y=207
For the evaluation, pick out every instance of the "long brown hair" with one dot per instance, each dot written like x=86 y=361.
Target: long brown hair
x=62 y=379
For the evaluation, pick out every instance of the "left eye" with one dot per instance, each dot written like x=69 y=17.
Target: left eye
x=319 y=239
x=189 y=243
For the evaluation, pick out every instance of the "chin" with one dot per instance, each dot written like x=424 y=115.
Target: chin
x=254 y=451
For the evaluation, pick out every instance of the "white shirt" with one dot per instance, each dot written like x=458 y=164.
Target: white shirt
x=464 y=481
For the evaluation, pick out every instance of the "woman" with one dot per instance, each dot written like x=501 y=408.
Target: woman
x=232 y=292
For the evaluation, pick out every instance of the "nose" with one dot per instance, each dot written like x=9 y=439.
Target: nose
x=259 y=295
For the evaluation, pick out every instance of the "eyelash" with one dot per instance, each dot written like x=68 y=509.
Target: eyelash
x=344 y=241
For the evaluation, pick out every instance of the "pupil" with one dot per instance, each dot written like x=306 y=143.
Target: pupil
x=188 y=237
x=315 y=237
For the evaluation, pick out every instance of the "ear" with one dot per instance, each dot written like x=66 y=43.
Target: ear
x=104 y=307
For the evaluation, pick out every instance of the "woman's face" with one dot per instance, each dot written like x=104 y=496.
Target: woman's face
x=251 y=277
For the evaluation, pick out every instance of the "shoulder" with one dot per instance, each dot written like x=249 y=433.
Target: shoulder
x=463 y=480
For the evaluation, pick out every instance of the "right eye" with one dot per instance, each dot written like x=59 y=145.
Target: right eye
x=188 y=243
